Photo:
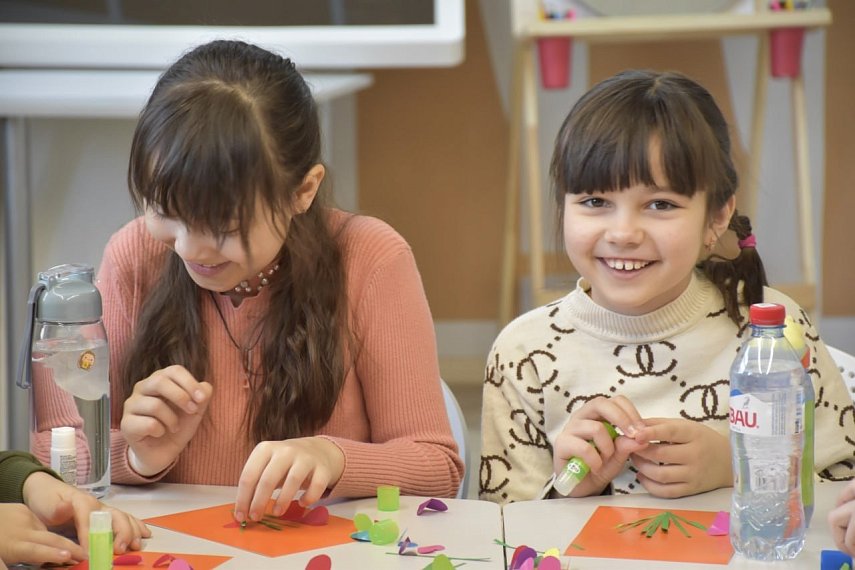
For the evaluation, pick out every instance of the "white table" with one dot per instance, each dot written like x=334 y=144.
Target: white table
x=467 y=529
x=544 y=524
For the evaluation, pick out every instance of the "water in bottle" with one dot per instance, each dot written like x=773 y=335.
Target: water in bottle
x=767 y=430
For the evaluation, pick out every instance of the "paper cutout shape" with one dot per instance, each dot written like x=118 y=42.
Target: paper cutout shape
x=599 y=538
x=521 y=554
x=179 y=564
x=361 y=536
x=209 y=524
x=196 y=561
x=431 y=504
x=164 y=561
x=720 y=525
x=320 y=562
x=430 y=549
x=127 y=560
x=549 y=563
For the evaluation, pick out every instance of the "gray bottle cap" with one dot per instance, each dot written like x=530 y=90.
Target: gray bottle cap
x=70 y=295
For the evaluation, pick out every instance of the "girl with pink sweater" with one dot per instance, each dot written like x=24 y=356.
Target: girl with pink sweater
x=258 y=337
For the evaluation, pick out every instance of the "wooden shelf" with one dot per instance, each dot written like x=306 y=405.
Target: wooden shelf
x=665 y=27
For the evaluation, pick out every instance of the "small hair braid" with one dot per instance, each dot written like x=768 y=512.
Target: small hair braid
x=746 y=267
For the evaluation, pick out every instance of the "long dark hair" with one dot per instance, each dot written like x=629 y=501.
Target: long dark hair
x=228 y=124
x=603 y=145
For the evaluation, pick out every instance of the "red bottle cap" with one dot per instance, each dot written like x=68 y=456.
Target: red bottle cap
x=767 y=314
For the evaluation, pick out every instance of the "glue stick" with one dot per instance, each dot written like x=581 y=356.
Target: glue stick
x=576 y=468
x=100 y=540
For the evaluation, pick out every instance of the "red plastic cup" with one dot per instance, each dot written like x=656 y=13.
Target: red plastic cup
x=554 y=55
x=786 y=50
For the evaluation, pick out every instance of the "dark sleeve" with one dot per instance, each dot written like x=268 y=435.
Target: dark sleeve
x=15 y=467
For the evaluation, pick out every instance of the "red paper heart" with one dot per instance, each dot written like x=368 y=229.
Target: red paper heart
x=294 y=512
x=127 y=560
x=163 y=561
x=319 y=562
x=318 y=516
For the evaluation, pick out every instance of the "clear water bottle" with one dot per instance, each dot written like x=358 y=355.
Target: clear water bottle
x=64 y=364
x=767 y=438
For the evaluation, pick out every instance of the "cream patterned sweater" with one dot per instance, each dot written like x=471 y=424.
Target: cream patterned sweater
x=673 y=362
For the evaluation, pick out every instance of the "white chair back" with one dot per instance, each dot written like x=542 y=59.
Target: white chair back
x=846 y=363
x=460 y=432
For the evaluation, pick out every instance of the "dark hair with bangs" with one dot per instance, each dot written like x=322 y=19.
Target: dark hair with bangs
x=604 y=143
x=226 y=125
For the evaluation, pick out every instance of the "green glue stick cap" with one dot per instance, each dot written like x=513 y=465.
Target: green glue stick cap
x=576 y=469
x=388 y=498
x=100 y=540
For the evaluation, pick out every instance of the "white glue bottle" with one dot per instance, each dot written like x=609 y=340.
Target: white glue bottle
x=63 y=453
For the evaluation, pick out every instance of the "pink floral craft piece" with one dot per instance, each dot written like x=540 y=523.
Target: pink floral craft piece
x=127 y=560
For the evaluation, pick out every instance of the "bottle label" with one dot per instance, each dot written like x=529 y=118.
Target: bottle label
x=752 y=416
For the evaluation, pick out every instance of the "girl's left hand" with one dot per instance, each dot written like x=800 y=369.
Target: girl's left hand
x=311 y=463
x=690 y=458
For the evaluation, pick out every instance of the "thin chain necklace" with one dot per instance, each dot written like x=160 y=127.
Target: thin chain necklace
x=245 y=351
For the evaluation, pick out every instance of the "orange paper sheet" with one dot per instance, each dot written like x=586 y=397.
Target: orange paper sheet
x=601 y=539
x=197 y=561
x=209 y=524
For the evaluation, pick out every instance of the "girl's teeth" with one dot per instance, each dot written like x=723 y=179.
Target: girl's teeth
x=626 y=265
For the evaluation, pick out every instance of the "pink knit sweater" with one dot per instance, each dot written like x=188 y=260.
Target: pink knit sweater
x=390 y=420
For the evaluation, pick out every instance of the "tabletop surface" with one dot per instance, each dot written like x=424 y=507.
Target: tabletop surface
x=533 y=523
x=467 y=529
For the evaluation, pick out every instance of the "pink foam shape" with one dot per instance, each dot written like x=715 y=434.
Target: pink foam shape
x=179 y=564
x=720 y=525
x=127 y=560
x=430 y=549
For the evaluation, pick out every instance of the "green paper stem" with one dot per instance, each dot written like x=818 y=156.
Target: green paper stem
x=577 y=546
x=506 y=545
x=663 y=522
x=483 y=559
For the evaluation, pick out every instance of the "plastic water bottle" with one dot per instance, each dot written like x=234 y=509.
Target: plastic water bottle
x=767 y=431
x=65 y=364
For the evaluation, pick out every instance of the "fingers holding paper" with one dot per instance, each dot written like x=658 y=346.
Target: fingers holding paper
x=313 y=464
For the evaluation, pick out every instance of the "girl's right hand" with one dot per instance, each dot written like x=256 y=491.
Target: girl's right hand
x=606 y=457
x=161 y=417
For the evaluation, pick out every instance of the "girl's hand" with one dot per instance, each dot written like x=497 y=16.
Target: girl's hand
x=608 y=458
x=57 y=504
x=311 y=463
x=690 y=458
x=161 y=417
x=27 y=539
x=841 y=520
